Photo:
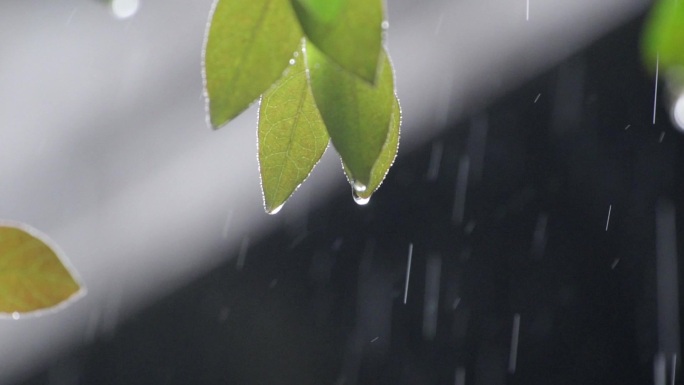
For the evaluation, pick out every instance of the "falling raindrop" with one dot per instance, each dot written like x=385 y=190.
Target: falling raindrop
x=659 y=369
x=539 y=238
x=439 y=23
x=515 y=338
x=244 y=246
x=433 y=271
x=460 y=376
x=435 y=161
x=337 y=244
x=71 y=15
x=655 y=92
x=458 y=211
x=223 y=314
x=615 y=263
x=667 y=277
x=408 y=272
x=361 y=201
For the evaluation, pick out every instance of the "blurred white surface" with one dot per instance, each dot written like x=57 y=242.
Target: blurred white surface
x=104 y=146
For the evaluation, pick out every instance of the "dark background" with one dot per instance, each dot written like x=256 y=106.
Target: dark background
x=321 y=301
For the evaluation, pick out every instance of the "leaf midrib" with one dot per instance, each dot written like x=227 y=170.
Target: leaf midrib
x=290 y=141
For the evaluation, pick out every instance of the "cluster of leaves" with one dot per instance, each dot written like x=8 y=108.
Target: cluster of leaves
x=32 y=275
x=322 y=74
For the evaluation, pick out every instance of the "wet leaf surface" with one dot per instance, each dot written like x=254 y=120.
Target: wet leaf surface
x=387 y=156
x=248 y=46
x=356 y=114
x=32 y=276
x=292 y=135
x=347 y=31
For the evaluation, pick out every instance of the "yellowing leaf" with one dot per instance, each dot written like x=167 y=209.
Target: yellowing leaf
x=349 y=32
x=249 y=43
x=32 y=276
x=663 y=39
x=292 y=136
x=386 y=159
x=356 y=114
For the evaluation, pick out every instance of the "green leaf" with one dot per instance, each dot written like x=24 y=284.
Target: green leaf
x=248 y=46
x=292 y=135
x=32 y=276
x=386 y=159
x=326 y=11
x=352 y=37
x=356 y=114
x=663 y=38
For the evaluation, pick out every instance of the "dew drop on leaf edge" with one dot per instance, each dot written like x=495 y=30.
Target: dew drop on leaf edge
x=358 y=186
x=361 y=201
x=275 y=210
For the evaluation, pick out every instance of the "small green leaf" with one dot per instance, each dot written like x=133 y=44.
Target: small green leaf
x=352 y=37
x=663 y=38
x=248 y=46
x=387 y=156
x=292 y=135
x=325 y=11
x=356 y=114
x=32 y=276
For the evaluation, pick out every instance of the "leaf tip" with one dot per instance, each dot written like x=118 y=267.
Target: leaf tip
x=273 y=210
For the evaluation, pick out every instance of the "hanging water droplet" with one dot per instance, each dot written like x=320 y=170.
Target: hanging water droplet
x=361 y=201
x=16 y=315
x=292 y=61
x=123 y=9
x=296 y=54
x=358 y=186
x=275 y=210
x=385 y=24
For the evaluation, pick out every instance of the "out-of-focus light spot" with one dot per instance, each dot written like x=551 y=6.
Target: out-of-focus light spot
x=678 y=113
x=123 y=9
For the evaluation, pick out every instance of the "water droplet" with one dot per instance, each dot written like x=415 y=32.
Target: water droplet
x=385 y=24
x=361 y=201
x=358 y=186
x=16 y=315
x=678 y=113
x=292 y=61
x=275 y=210
x=123 y=9
x=296 y=54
